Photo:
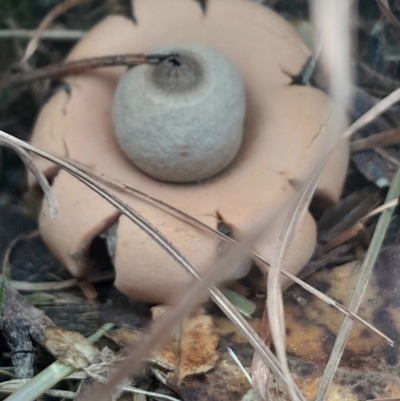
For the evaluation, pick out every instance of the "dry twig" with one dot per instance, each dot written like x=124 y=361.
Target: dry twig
x=385 y=138
x=81 y=66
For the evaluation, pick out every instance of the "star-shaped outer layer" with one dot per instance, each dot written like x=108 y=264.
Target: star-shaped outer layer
x=285 y=132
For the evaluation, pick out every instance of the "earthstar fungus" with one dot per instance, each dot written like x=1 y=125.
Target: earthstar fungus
x=284 y=133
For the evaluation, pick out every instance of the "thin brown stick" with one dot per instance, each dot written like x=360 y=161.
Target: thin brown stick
x=387 y=156
x=47 y=20
x=384 y=138
x=76 y=67
x=343 y=237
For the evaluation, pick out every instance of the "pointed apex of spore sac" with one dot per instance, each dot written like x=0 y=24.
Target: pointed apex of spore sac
x=178 y=74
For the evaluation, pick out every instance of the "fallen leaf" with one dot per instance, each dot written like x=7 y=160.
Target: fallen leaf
x=192 y=349
x=226 y=382
x=70 y=347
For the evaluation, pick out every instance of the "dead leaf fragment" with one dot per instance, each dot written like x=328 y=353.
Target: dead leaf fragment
x=192 y=349
x=70 y=347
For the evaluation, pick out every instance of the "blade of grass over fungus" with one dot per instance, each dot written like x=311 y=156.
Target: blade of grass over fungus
x=196 y=223
x=134 y=359
x=50 y=376
x=192 y=300
x=332 y=26
x=332 y=20
x=274 y=301
x=225 y=306
x=190 y=220
x=14 y=142
x=193 y=296
x=74 y=167
x=365 y=274
x=231 y=313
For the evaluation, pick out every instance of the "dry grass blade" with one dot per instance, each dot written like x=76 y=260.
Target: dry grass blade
x=50 y=17
x=385 y=138
x=51 y=34
x=197 y=294
x=386 y=155
x=240 y=365
x=6 y=266
x=120 y=186
x=366 y=271
x=274 y=294
x=380 y=209
x=332 y=20
x=365 y=119
x=372 y=113
x=42 y=180
x=193 y=296
x=196 y=223
x=387 y=12
x=130 y=389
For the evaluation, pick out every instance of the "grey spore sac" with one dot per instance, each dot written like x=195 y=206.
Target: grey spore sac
x=182 y=119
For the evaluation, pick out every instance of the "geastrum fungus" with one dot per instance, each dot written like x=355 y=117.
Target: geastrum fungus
x=216 y=131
